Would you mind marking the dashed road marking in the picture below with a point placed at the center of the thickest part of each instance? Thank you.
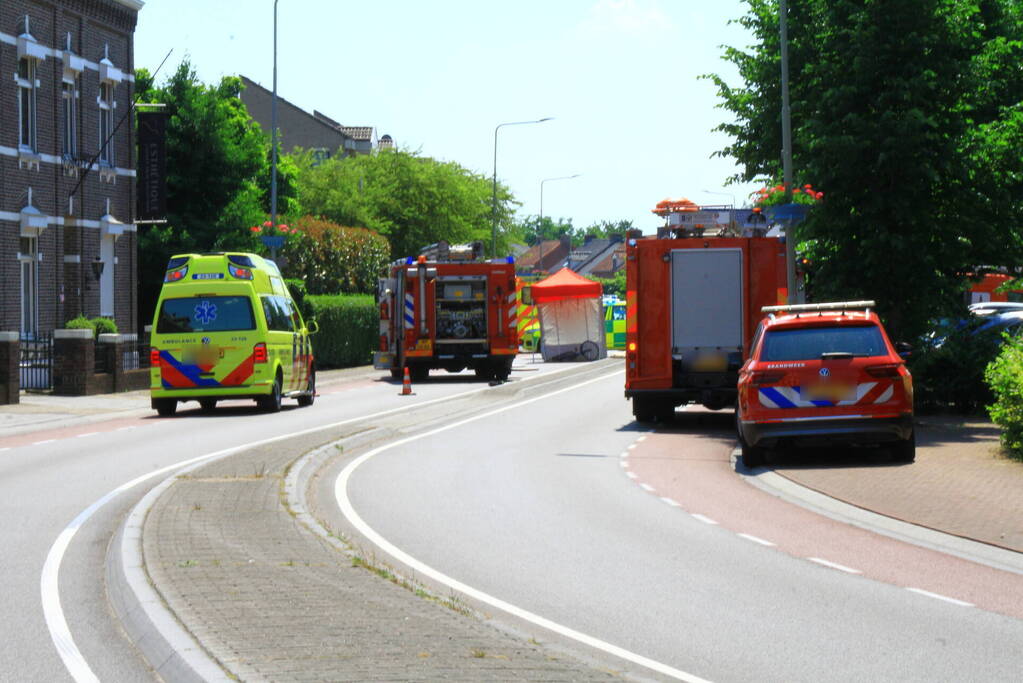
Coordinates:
(641, 439)
(703, 518)
(631, 475)
(624, 464)
(936, 596)
(755, 539)
(647, 487)
(39, 443)
(834, 565)
(82, 436)
(670, 502)
(631, 446)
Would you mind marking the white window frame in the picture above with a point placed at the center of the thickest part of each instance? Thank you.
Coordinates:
(28, 274)
(69, 117)
(107, 104)
(27, 87)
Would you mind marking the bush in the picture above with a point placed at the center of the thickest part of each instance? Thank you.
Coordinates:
(97, 325)
(332, 258)
(948, 371)
(80, 323)
(299, 294)
(104, 326)
(349, 329)
(1005, 377)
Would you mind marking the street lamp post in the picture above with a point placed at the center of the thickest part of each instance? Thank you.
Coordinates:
(493, 226)
(539, 261)
(273, 141)
(786, 150)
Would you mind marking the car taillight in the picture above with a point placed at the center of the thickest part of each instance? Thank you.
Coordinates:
(175, 275)
(239, 273)
(759, 378)
(886, 370)
(154, 356)
(259, 353)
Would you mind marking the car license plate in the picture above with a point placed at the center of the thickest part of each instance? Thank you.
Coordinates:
(832, 391)
(203, 355)
(710, 362)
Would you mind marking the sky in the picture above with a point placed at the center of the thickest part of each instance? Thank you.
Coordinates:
(618, 77)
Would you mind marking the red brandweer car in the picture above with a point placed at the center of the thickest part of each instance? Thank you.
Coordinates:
(820, 374)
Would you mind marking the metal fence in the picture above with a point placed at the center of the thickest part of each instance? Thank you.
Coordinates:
(35, 364)
(136, 351)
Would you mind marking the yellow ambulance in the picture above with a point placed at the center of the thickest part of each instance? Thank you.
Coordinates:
(226, 327)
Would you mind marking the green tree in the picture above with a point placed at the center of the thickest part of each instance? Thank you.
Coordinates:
(217, 174)
(906, 114)
(412, 200)
(532, 229)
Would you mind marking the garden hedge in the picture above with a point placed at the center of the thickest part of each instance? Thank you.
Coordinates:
(349, 329)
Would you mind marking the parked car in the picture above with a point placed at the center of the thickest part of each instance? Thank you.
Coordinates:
(823, 374)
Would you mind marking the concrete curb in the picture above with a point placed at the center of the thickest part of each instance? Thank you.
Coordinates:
(164, 642)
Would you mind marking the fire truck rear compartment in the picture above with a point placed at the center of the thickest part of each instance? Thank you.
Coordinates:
(461, 316)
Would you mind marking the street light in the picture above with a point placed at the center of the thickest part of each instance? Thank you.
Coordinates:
(539, 261)
(493, 226)
(273, 141)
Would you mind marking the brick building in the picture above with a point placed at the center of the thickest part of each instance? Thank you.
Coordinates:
(67, 84)
(316, 132)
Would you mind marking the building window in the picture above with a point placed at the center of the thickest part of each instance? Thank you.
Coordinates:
(69, 108)
(29, 286)
(27, 103)
(106, 122)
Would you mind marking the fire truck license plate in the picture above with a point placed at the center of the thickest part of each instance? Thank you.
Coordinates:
(830, 392)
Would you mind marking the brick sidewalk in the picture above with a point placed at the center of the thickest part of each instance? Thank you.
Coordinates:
(960, 483)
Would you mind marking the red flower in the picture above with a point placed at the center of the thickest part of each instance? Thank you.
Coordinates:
(256, 228)
(820, 195)
(267, 224)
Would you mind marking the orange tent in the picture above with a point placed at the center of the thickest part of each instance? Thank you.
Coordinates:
(565, 284)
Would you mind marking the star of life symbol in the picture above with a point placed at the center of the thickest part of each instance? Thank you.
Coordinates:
(206, 312)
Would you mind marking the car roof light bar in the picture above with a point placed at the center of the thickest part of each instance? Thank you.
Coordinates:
(831, 306)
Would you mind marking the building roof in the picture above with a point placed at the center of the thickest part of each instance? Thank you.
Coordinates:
(358, 132)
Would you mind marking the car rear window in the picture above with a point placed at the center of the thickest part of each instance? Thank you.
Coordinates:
(812, 342)
(205, 314)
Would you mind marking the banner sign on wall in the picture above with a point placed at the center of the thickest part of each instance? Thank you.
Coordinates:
(151, 172)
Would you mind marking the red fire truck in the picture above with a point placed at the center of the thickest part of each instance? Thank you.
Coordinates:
(692, 305)
(450, 309)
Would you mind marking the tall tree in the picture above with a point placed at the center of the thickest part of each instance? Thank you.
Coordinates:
(217, 174)
(903, 113)
(412, 200)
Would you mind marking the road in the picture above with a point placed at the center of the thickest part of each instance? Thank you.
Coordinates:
(552, 508)
(49, 478)
(552, 511)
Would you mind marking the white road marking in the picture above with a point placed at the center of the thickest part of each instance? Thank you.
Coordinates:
(670, 502)
(755, 539)
(624, 464)
(5, 448)
(631, 475)
(122, 429)
(39, 443)
(348, 510)
(703, 518)
(82, 436)
(631, 446)
(647, 487)
(49, 586)
(921, 591)
(834, 565)
(641, 439)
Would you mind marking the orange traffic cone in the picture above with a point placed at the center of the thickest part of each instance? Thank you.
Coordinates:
(406, 384)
